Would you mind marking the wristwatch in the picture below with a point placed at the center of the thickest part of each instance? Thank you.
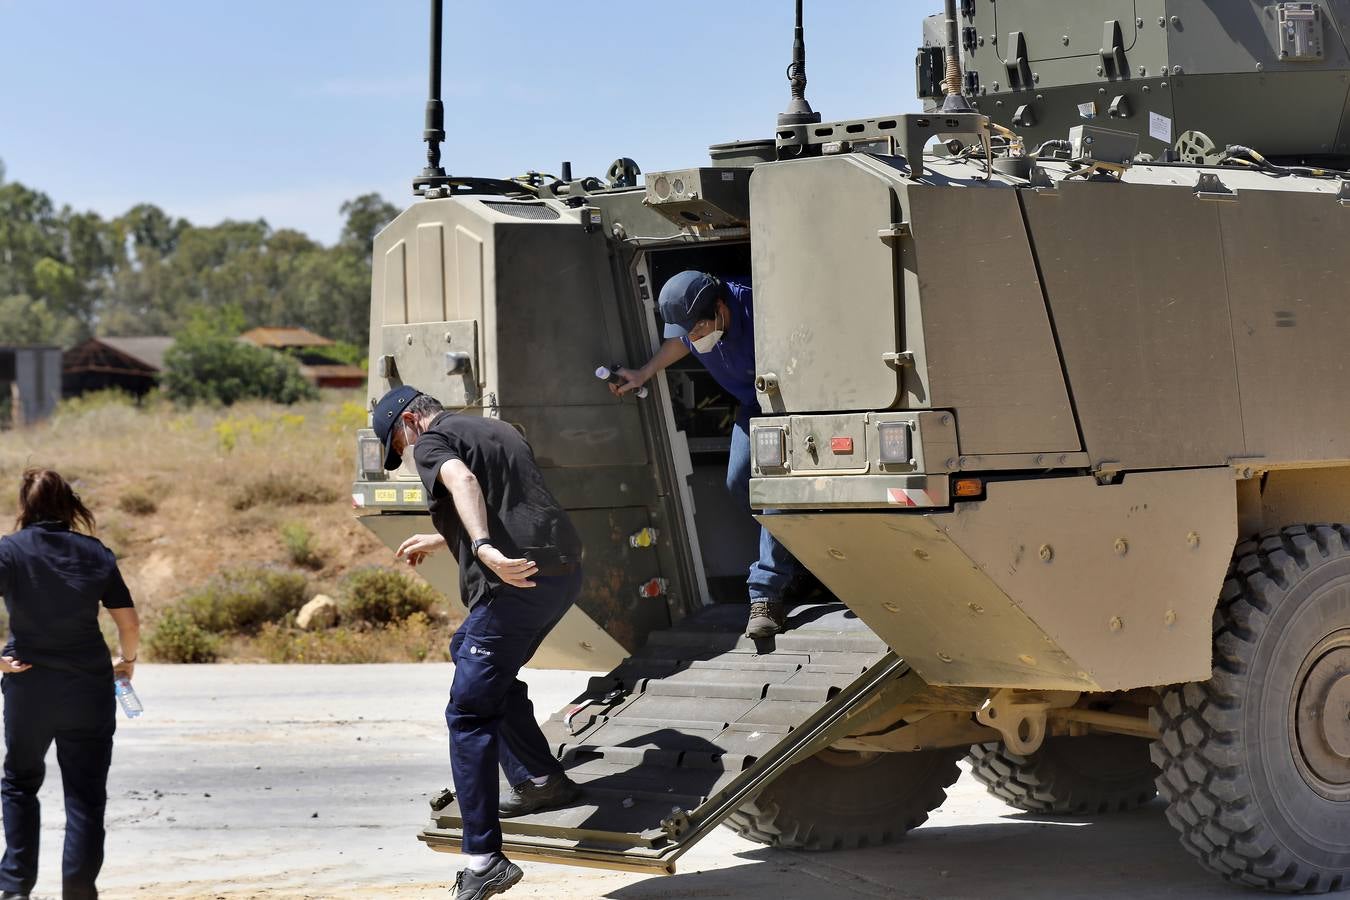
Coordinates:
(478, 545)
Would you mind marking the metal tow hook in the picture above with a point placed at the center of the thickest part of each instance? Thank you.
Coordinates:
(614, 696)
(811, 447)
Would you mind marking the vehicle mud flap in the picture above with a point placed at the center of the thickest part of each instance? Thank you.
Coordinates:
(682, 734)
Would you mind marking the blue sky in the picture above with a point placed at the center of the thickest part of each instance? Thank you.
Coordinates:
(284, 109)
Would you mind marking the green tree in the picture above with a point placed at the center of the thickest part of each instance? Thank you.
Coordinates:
(24, 320)
(212, 368)
(366, 216)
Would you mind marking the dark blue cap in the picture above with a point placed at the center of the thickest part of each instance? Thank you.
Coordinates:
(685, 299)
(385, 419)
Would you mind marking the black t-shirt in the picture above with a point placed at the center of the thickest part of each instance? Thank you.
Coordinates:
(53, 581)
(524, 519)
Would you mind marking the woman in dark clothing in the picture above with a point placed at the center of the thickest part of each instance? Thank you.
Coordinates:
(58, 679)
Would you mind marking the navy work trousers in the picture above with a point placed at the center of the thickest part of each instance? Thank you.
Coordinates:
(77, 711)
(772, 573)
(490, 716)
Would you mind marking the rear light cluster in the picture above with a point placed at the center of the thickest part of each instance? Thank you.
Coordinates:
(897, 444)
(770, 448)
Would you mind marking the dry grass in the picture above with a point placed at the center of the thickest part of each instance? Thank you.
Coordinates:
(193, 465)
(418, 638)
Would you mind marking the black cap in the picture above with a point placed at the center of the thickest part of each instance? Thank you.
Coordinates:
(686, 298)
(385, 418)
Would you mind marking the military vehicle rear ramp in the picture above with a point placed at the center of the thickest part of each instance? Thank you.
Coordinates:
(684, 735)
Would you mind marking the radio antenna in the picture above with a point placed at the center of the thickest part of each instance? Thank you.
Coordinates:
(799, 112)
(434, 134)
(954, 81)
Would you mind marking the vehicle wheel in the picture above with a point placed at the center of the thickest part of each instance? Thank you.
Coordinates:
(840, 801)
(1097, 773)
(1256, 761)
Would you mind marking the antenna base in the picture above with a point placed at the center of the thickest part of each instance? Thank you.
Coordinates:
(957, 103)
(799, 112)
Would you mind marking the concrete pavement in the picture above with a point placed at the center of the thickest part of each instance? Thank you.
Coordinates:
(311, 782)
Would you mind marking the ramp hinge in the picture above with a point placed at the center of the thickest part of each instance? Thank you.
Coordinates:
(898, 360)
(676, 824)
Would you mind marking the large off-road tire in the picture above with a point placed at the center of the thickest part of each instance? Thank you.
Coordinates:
(1256, 761)
(1096, 773)
(840, 801)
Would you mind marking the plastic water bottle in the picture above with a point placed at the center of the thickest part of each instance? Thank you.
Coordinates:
(611, 374)
(126, 695)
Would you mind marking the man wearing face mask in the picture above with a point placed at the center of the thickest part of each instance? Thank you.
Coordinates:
(519, 572)
(714, 319)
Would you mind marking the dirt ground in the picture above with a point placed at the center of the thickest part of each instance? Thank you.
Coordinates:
(251, 781)
(189, 469)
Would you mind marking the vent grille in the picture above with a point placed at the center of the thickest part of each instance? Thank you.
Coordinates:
(537, 211)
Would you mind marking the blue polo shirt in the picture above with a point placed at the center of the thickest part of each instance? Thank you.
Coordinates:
(732, 362)
(53, 581)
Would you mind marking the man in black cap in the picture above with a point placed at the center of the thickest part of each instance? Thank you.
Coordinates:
(714, 319)
(519, 572)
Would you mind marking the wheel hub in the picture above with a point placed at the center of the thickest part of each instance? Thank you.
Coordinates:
(1322, 717)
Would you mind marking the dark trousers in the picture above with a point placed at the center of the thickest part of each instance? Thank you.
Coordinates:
(772, 573)
(490, 715)
(77, 712)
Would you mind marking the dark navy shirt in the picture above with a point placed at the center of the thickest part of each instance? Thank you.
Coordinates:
(732, 361)
(53, 581)
(524, 518)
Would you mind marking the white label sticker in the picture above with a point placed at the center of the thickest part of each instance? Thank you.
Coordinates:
(1087, 110)
(728, 176)
(1160, 127)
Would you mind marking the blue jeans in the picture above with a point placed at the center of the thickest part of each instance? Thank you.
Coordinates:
(74, 710)
(490, 716)
(771, 574)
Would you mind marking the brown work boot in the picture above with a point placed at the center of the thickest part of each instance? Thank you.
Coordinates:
(766, 618)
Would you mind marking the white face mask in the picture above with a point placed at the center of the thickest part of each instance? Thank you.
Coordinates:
(708, 341)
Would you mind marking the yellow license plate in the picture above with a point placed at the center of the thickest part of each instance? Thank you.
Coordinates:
(412, 495)
(386, 495)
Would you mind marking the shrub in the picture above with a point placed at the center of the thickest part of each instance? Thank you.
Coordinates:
(281, 490)
(380, 596)
(83, 404)
(243, 599)
(415, 638)
(299, 543)
(136, 502)
(214, 368)
(177, 638)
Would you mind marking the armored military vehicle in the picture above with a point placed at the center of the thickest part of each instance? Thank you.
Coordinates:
(1054, 403)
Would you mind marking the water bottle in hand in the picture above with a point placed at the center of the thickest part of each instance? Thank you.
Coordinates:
(611, 374)
(126, 695)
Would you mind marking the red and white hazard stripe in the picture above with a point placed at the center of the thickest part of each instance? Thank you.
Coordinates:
(909, 497)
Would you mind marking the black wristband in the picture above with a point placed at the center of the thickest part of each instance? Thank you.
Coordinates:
(479, 545)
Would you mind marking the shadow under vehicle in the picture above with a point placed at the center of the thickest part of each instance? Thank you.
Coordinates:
(1053, 381)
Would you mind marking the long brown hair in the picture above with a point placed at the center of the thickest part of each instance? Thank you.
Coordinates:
(44, 496)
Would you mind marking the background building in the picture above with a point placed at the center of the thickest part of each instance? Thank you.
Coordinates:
(30, 384)
(131, 364)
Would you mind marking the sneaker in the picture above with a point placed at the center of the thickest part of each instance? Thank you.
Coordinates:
(766, 618)
(529, 797)
(499, 878)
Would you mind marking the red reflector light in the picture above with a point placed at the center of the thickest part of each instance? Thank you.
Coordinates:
(967, 487)
(841, 445)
